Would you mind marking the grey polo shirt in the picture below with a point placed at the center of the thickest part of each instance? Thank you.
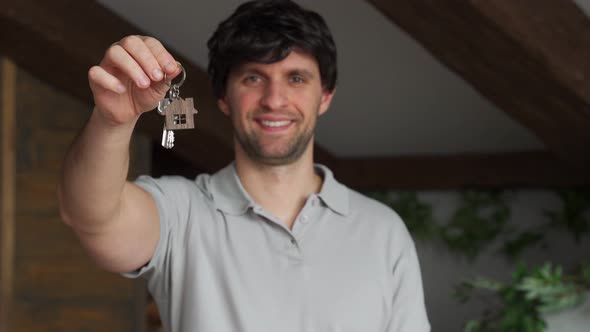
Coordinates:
(223, 263)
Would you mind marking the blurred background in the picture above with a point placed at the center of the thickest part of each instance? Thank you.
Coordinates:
(471, 119)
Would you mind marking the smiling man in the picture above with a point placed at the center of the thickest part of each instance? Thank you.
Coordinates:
(272, 242)
(284, 99)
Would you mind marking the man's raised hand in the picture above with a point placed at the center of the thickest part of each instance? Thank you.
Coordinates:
(130, 78)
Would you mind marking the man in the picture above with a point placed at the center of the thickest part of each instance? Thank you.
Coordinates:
(272, 242)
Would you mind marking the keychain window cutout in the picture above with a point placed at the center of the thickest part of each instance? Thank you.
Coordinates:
(179, 119)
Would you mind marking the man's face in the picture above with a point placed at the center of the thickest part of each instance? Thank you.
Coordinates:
(274, 107)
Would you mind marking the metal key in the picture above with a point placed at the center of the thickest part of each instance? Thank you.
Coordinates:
(167, 138)
(162, 105)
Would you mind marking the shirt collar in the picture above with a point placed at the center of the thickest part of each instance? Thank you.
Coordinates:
(227, 191)
(229, 195)
(333, 193)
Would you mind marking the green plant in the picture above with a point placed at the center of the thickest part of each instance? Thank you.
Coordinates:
(478, 221)
(574, 216)
(515, 245)
(482, 218)
(521, 303)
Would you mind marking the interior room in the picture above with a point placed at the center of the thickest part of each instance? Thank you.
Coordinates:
(470, 119)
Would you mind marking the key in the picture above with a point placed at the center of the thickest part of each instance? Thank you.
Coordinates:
(164, 136)
(170, 141)
(162, 104)
(167, 138)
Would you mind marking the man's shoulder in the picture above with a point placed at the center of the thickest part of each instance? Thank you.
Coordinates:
(369, 208)
(357, 204)
(169, 180)
(364, 204)
(173, 185)
(378, 220)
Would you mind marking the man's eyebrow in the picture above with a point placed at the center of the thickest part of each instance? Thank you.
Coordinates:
(249, 70)
(252, 69)
(301, 72)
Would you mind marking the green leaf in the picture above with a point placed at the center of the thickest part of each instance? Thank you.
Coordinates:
(520, 272)
(585, 274)
(489, 284)
(518, 244)
(473, 325)
(477, 222)
(463, 291)
(574, 214)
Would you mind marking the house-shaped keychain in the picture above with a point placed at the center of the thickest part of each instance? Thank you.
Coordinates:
(180, 114)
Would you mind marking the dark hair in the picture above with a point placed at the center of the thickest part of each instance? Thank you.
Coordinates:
(266, 31)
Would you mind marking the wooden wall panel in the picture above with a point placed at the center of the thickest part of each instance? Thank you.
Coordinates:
(7, 187)
(46, 238)
(55, 285)
(72, 316)
(68, 279)
(35, 193)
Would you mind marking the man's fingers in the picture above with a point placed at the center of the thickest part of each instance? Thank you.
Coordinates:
(137, 48)
(164, 58)
(141, 59)
(99, 77)
(118, 57)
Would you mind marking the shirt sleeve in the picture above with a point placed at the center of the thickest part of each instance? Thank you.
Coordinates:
(409, 311)
(170, 196)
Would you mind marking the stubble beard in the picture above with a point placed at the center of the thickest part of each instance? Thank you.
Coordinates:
(293, 151)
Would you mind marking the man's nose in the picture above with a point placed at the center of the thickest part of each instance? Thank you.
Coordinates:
(274, 97)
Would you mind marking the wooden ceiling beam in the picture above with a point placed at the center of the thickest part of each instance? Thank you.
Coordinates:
(528, 57)
(58, 41)
(532, 169)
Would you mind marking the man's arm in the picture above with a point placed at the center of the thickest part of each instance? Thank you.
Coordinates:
(116, 221)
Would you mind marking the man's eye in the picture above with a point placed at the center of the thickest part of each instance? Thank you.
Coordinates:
(297, 79)
(252, 79)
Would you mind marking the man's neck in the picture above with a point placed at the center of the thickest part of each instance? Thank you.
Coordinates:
(281, 190)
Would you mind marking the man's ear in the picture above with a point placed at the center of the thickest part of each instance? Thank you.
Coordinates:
(326, 100)
(223, 106)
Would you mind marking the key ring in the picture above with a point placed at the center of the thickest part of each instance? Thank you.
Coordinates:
(179, 84)
(173, 91)
(175, 88)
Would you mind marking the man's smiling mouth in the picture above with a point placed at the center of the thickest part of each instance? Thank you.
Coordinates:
(275, 124)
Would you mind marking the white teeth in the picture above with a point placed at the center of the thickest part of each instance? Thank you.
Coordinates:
(275, 123)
